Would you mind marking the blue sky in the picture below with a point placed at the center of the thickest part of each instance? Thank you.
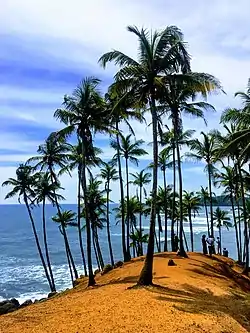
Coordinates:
(47, 47)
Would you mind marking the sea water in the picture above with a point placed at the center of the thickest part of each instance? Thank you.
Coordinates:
(21, 273)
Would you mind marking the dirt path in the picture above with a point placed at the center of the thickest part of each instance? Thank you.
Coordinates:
(197, 295)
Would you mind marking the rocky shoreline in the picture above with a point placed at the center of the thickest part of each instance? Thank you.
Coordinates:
(10, 305)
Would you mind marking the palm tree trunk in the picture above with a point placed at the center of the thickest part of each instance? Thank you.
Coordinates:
(68, 258)
(146, 276)
(140, 246)
(79, 222)
(206, 212)
(185, 240)
(98, 248)
(240, 231)
(165, 212)
(182, 250)
(46, 248)
(128, 222)
(95, 250)
(235, 226)
(191, 230)
(173, 206)
(160, 229)
(37, 242)
(220, 233)
(211, 199)
(65, 238)
(108, 229)
(126, 254)
(246, 267)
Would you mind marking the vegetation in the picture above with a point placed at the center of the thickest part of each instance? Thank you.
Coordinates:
(161, 86)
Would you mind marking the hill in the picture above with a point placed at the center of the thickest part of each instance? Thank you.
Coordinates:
(199, 294)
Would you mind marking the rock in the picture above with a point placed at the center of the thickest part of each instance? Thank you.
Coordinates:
(42, 300)
(26, 303)
(15, 302)
(171, 262)
(96, 271)
(76, 282)
(53, 293)
(107, 268)
(8, 306)
(118, 264)
(36, 301)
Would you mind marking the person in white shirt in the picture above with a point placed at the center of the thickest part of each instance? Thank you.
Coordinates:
(210, 242)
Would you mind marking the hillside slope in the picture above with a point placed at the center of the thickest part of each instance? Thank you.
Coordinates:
(197, 295)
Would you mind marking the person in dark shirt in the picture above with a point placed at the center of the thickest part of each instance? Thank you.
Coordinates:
(204, 244)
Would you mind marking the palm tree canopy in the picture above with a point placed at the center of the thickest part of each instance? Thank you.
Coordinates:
(221, 218)
(66, 218)
(128, 149)
(191, 202)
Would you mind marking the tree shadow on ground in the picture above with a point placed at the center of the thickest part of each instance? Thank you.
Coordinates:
(190, 299)
(219, 269)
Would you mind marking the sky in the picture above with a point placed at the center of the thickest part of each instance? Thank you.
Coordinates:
(47, 47)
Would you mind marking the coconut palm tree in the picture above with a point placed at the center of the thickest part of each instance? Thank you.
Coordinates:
(121, 112)
(130, 151)
(109, 174)
(221, 219)
(204, 149)
(85, 114)
(191, 204)
(22, 186)
(46, 190)
(141, 179)
(159, 53)
(138, 238)
(54, 155)
(66, 218)
(204, 199)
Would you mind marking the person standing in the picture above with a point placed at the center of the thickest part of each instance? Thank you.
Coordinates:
(210, 242)
(218, 241)
(204, 244)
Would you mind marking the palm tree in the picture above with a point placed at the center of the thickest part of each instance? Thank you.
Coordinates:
(97, 208)
(121, 111)
(54, 155)
(221, 219)
(131, 214)
(191, 204)
(204, 198)
(75, 161)
(85, 113)
(129, 151)
(141, 179)
(109, 174)
(22, 186)
(45, 189)
(159, 53)
(205, 150)
(137, 239)
(64, 219)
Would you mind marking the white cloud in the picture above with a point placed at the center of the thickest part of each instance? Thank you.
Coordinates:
(75, 33)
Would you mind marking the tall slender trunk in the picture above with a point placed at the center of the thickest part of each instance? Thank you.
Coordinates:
(98, 248)
(128, 222)
(159, 228)
(108, 229)
(95, 251)
(146, 276)
(165, 212)
(205, 206)
(126, 254)
(240, 231)
(236, 227)
(181, 230)
(185, 240)
(211, 198)
(246, 267)
(79, 221)
(91, 281)
(37, 242)
(173, 206)
(191, 230)
(65, 238)
(140, 246)
(220, 233)
(47, 249)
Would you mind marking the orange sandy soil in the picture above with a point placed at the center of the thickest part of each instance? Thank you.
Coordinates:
(197, 295)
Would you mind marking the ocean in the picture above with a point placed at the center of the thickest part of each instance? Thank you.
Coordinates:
(21, 273)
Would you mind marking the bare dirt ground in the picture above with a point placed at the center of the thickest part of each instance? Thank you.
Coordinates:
(197, 295)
